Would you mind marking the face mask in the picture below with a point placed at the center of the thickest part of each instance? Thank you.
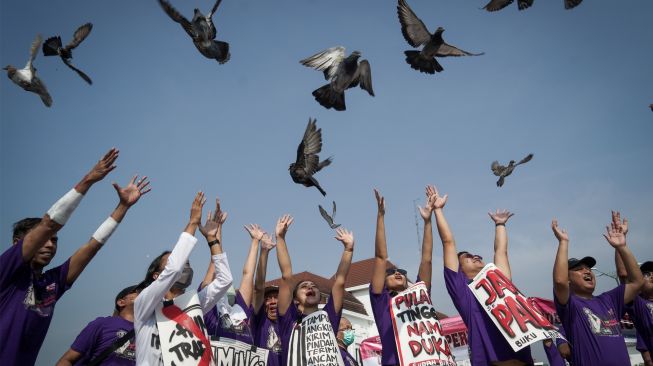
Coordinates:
(348, 337)
(186, 277)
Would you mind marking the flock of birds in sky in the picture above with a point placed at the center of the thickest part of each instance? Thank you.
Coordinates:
(341, 72)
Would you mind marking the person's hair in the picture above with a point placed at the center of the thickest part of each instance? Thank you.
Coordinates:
(22, 227)
(461, 253)
(154, 267)
(294, 291)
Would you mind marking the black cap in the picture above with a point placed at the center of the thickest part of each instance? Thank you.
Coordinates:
(575, 262)
(126, 291)
(646, 267)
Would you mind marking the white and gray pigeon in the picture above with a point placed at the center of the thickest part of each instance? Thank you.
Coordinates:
(202, 30)
(26, 77)
(495, 5)
(504, 171)
(342, 73)
(53, 46)
(416, 34)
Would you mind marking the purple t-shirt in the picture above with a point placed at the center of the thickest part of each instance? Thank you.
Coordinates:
(641, 312)
(593, 329)
(348, 358)
(266, 335)
(288, 320)
(26, 303)
(220, 325)
(99, 335)
(486, 343)
(552, 354)
(640, 345)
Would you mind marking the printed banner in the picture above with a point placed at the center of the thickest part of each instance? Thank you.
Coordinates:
(513, 314)
(230, 352)
(418, 332)
(455, 331)
(313, 342)
(184, 341)
(370, 350)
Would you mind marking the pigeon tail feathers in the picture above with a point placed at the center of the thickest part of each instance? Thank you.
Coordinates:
(51, 46)
(329, 98)
(418, 62)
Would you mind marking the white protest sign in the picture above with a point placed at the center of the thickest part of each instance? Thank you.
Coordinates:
(230, 352)
(418, 333)
(184, 341)
(313, 342)
(518, 320)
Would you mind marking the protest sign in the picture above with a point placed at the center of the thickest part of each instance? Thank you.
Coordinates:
(513, 314)
(313, 342)
(455, 331)
(182, 332)
(230, 352)
(370, 350)
(418, 333)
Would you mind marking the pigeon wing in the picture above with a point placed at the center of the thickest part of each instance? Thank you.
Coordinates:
(177, 17)
(412, 27)
(526, 159)
(497, 168)
(308, 149)
(80, 35)
(570, 4)
(333, 214)
(33, 51)
(326, 216)
(78, 71)
(214, 9)
(327, 61)
(495, 5)
(446, 50)
(363, 76)
(42, 91)
(524, 4)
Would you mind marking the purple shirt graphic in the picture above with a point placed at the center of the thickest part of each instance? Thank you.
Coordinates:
(486, 343)
(224, 327)
(641, 312)
(99, 335)
(26, 303)
(266, 335)
(593, 329)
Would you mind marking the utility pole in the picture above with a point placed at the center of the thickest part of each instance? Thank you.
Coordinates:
(415, 208)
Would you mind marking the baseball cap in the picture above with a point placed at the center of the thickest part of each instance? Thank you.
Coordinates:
(575, 262)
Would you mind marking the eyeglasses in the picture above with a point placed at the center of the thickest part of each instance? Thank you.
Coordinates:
(471, 256)
(391, 271)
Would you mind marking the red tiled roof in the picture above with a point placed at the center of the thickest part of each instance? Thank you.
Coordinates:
(360, 273)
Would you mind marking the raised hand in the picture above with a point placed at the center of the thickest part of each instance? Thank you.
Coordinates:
(255, 231)
(283, 224)
(618, 222)
(615, 236)
(103, 167)
(560, 234)
(346, 237)
(426, 211)
(380, 201)
(440, 201)
(500, 216)
(219, 216)
(196, 209)
(132, 192)
(267, 243)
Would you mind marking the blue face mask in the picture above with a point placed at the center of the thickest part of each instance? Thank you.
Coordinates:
(348, 337)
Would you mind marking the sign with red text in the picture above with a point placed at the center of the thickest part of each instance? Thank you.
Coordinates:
(513, 314)
(418, 333)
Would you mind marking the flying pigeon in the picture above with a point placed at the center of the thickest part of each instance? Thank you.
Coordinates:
(504, 171)
(53, 46)
(342, 73)
(570, 4)
(495, 5)
(327, 218)
(308, 163)
(651, 106)
(26, 77)
(416, 34)
(202, 30)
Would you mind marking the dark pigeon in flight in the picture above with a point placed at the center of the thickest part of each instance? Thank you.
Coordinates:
(416, 34)
(651, 106)
(202, 30)
(342, 73)
(308, 163)
(53, 46)
(329, 218)
(495, 5)
(26, 77)
(570, 4)
(504, 171)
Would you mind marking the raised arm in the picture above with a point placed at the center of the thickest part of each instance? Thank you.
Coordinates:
(285, 288)
(69, 358)
(449, 252)
(634, 279)
(247, 282)
(619, 263)
(561, 266)
(261, 271)
(338, 289)
(128, 196)
(426, 262)
(500, 219)
(60, 212)
(212, 232)
(380, 247)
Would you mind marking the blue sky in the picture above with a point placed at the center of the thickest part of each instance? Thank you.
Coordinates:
(572, 87)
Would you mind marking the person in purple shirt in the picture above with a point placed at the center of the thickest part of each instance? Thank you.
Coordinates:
(346, 337)
(592, 322)
(558, 352)
(102, 333)
(294, 305)
(487, 346)
(28, 294)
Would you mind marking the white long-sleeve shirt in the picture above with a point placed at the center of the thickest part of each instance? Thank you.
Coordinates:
(148, 352)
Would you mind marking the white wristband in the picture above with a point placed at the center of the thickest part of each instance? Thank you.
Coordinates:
(105, 230)
(61, 210)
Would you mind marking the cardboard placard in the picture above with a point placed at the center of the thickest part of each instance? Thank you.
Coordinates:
(418, 333)
(230, 352)
(313, 342)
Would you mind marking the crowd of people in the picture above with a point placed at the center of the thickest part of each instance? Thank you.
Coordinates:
(287, 320)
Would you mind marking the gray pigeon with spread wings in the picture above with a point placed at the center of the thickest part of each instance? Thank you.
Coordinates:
(504, 171)
(26, 77)
(342, 72)
(202, 30)
(416, 34)
(53, 46)
(495, 5)
(308, 162)
(329, 218)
